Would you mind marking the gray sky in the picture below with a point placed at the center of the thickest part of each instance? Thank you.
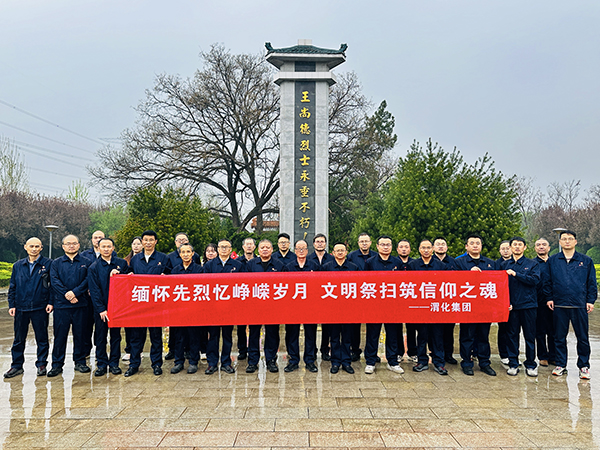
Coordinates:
(516, 79)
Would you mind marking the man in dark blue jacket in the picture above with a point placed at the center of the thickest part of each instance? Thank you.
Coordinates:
(571, 293)
(544, 336)
(404, 250)
(71, 301)
(440, 249)
(524, 275)
(284, 254)
(472, 334)
(382, 261)
(221, 264)
(429, 333)
(99, 275)
(292, 331)
(359, 258)
(150, 262)
(248, 245)
(29, 301)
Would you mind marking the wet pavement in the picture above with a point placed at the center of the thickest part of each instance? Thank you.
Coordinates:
(299, 409)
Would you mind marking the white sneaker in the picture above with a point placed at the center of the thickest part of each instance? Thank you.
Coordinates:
(559, 371)
(395, 369)
(400, 358)
(532, 372)
(584, 373)
(126, 357)
(369, 369)
(414, 359)
(513, 371)
(203, 356)
(504, 361)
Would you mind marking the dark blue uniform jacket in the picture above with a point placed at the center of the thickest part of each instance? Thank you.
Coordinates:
(157, 264)
(216, 266)
(467, 263)
(333, 266)
(523, 286)
(288, 258)
(448, 261)
(544, 277)
(571, 285)
(67, 275)
(192, 268)
(309, 266)
(99, 278)
(358, 259)
(30, 292)
(404, 265)
(377, 263)
(326, 258)
(255, 265)
(419, 264)
(174, 260)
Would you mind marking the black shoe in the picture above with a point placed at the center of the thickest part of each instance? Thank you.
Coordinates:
(157, 370)
(251, 368)
(488, 371)
(242, 355)
(228, 369)
(378, 359)
(420, 367)
(440, 369)
(450, 360)
(325, 356)
(211, 370)
(100, 371)
(348, 369)
(115, 370)
(272, 367)
(13, 372)
(41, 371)
(55, 371)
(177, 368)
(290, 367)
(83, 368)
(355, 357)
(192, 368)
(468, 371)
(334, 369)
(131, 371)
(170, 355)
(311, 367)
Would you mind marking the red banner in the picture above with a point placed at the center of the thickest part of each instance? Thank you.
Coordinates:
(308, 297)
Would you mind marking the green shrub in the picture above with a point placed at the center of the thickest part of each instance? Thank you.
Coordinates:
(5, 272)
(594, 253)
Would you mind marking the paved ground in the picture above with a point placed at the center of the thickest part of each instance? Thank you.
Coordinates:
(298, 410)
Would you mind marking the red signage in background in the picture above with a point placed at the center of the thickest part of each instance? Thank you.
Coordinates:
(315, 297)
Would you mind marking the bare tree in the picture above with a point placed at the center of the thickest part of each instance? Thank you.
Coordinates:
(13, 172)
(564, 195)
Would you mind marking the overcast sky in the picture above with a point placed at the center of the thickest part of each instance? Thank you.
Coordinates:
(515, 79)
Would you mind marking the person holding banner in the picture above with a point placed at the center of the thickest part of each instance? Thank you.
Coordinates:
(475, 334)
(264, 263)
(191, 334)
(221, 264)
(505, 255)
(248, 245)
(524, 276)
(98, 279)
(359, 258)
(383, 260)
(341, 333)
(440, 248)
(292, 331)
(432, 332)
(403, 250)
(149, 262)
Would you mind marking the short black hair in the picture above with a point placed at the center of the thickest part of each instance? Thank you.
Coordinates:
(224, 240)
(473, 236)
(185, 245)
(319, 235)
(384, 236)
(518, 239)
(181, 233)
(150, 233)
(567, 232)
(106, 239)
(340, 243)
(283, 235)
(425, 240)
(440, 238)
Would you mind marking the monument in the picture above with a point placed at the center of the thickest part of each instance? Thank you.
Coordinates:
(304, 78)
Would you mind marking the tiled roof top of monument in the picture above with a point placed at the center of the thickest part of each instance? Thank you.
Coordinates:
(306, 49)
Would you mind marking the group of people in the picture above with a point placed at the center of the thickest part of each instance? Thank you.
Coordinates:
(546, 295)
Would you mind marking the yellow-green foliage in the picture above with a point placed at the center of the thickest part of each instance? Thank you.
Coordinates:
(597, 266)
(5, 271)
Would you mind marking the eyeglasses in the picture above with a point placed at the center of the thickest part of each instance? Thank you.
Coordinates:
(70, 244)
(224, 247)
(301, 249)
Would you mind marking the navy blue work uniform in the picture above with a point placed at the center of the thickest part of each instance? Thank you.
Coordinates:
(474, 338)
(523, 299)
(502, 326)
(29, 294)
(98, 284)
(431, 333)
(217, 265)
(242, 335)
(292, 331)
(340, 333)
(377, 263)
(156, 265)
(289, 257)
(174, 260)
(571, 285)
(66, 275)
(544, 334)
(324, 347)
(448, 333)
(411, 328)
(358, 258)
(181, 335)
(271, 331)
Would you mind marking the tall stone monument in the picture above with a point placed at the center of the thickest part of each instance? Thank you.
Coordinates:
(304, 78)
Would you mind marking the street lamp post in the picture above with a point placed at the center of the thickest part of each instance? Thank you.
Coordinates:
(50, 229)
(558, 231)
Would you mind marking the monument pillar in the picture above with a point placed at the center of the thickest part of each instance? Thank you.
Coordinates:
(304, 78)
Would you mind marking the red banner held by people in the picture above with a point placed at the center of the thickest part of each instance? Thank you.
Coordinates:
(308, 297)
